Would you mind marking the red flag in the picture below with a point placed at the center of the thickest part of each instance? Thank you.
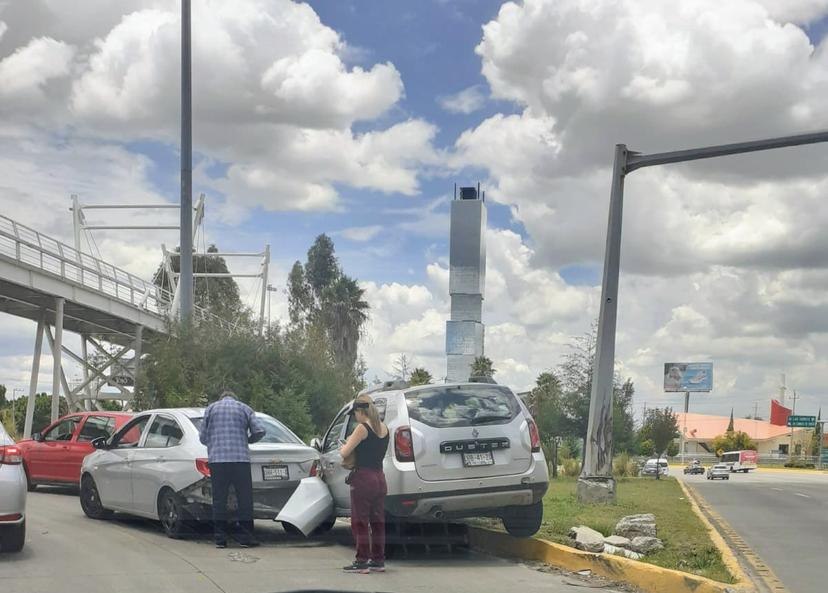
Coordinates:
(779, 414)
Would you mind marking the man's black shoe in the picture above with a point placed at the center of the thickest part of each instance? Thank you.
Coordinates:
(221, 544)
(357, 568)
(250, 544)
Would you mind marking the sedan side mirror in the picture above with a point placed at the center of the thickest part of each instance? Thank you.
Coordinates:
(38, 437)
(316, 443)
(99, 443)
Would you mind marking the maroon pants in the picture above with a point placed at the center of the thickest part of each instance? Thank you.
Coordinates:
(368, 492)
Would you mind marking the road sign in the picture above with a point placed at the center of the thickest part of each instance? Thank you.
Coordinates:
(802, 421)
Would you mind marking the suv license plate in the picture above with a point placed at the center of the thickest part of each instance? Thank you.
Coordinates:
(275, 472)
(475, 459)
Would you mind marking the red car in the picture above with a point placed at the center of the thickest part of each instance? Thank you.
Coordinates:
(54, 456)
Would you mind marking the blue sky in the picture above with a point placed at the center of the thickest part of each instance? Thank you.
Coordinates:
(432, 45)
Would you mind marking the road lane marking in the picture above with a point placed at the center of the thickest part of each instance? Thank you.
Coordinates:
(762, 575)
(802, 495)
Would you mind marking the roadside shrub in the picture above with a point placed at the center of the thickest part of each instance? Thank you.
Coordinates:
(619, 465)
(800, 464)
(571, 468)
(632, 468)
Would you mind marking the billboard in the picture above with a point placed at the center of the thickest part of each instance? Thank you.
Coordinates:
(688, 376)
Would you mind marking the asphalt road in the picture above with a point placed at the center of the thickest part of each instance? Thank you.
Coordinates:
(782, 516)
(67, 553)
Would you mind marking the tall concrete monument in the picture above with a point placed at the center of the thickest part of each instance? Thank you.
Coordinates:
(467, 278)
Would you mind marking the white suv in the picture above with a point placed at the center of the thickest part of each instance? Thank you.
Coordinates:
(456, 450)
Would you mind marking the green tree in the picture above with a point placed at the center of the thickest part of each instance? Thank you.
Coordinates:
(42, 412)
(733, 441)
(288, 374)
(344, 312)
(575, 374)
(646, 447)
(482, 368)
(322, 296)
(545, 405)
(420, 376)
(220, 296)
(661, 427)
(2, 396)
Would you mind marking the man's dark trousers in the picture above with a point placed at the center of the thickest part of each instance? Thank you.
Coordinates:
(222, 476)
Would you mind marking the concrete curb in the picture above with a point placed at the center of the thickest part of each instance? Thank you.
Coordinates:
(728, 556)
(647, 577)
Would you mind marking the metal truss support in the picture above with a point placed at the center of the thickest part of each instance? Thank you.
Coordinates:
(56, 358)
(70, 399)
(30, 404)
(87, 404)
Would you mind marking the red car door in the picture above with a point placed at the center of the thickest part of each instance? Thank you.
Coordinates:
(47, 458)
(93, 426)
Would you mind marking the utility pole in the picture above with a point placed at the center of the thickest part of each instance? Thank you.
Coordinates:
(596, 484)
(185, 280)
(794, 397)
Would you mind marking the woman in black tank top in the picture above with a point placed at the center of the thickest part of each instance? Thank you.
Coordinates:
(369, 442)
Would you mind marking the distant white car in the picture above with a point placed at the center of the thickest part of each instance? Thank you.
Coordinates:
(156, 467)
(651, 466)
(720, 470)
(12, 495)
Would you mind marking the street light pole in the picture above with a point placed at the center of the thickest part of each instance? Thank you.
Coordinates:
(596, 483)
(185, 280)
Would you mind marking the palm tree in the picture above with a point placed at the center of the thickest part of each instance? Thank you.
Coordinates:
(420, 376)
(345, 312)
(482, 368)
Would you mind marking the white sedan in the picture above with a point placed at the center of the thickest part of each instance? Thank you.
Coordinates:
(156, 467)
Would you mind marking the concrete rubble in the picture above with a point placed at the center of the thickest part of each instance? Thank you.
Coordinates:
(587, 539)
(635, 536)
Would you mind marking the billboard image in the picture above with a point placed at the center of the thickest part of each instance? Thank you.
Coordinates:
(688, 376)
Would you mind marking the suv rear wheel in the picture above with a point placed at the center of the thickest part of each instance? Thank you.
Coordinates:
(523, 521)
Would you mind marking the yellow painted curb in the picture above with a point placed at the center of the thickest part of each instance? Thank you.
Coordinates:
(728, 557)
(647, 577)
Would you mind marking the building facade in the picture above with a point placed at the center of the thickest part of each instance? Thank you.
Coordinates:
(467, 280)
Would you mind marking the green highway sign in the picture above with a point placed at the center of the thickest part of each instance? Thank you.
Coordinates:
(802, 421)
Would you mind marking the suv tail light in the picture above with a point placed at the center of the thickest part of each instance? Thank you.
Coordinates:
(403, 444)
(10, 455)
(314, 470)
(203, 467)
(534, 436)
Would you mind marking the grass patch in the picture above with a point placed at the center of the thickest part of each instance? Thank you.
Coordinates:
(687, 546)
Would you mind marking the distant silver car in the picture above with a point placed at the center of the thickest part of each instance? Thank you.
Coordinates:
(456, 450)
(156, 467)
(12, 495)
(717, 471)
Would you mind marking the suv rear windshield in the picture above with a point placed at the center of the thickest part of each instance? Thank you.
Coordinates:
(467, 405)
(275, 431)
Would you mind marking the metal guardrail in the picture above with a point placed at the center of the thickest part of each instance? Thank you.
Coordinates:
(27, 246)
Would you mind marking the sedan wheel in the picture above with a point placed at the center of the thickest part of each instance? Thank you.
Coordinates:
(172, 514)
(90, 500)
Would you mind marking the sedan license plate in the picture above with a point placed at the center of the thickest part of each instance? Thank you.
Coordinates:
(476, 459)
(275, 472)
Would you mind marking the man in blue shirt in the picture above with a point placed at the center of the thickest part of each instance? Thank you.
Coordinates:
(228, 427)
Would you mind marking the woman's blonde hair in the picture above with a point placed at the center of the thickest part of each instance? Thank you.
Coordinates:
(371, 412)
